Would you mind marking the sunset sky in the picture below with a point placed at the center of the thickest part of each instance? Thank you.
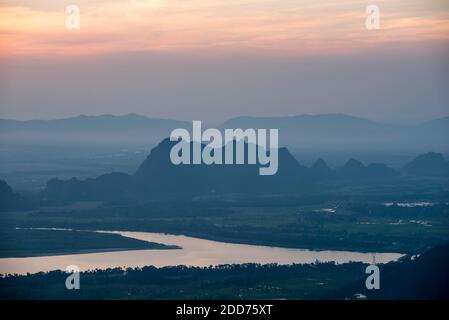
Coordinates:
(158, 42)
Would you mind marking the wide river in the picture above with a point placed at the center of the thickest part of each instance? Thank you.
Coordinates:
(194, 252)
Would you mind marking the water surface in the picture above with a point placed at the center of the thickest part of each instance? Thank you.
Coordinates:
(194, 252)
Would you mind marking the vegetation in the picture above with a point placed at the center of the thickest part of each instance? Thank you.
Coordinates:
(425, 277)
(249, 281)
(312, 223)
(405, 215)
(25, 243)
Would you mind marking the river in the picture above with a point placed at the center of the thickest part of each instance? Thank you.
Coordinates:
(194, 252)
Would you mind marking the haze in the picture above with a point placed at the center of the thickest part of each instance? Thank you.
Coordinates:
(212, 60)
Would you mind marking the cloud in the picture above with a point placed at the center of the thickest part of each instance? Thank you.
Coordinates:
(216, 26)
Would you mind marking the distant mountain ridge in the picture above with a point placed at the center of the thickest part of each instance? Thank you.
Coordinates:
(304, 132)
(343, 132)
(304, 119)
(85, 121)
(130, 128)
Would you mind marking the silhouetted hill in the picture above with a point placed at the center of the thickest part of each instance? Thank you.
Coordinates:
(12, 201)
(158, 169)
(420, 277)
(429, 164)
(106, 187)
(356, 170)
(380, 171)
(158, 176)
(320, 170)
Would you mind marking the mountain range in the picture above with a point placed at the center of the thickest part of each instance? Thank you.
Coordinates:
(87, 130)
(344, 132)
(157, 176)
(306, 132)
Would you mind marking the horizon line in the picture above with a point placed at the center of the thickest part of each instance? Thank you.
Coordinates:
(218, 120)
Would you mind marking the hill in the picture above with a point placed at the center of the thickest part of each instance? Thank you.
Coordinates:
(429, 164)
(158, 176)
(425, 276)
(103, 129)
(12, 201)
(335, 132)
(330, 132)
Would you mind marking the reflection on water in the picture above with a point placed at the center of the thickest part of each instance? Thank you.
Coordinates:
(194, 252)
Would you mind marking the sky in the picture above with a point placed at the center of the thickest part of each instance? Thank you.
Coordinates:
(216, 59)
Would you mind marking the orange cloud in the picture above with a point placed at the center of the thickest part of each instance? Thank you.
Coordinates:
(294, 27)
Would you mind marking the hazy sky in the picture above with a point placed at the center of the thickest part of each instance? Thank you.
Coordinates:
(215, 59)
